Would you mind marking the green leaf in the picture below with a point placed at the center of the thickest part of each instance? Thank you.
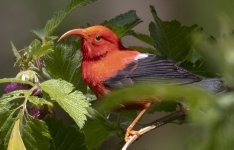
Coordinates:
(123, 23)
(94, 128)
(15, 52)
(5, 80)
(16, 141)
(172, 39)
(142, 37)
(73, 102)
(9, 104)
(64, 63)
(40, 50)
(165, 106)
(77, 3)
(218, 54)
(7, 123)
(6, 126)
(34, 46)
(39, 33)
(100, 126)
(199, 68)
(65, 137)
(39, 101)
(35, 134)
(53, 23)
(163, 91)
(215, 127)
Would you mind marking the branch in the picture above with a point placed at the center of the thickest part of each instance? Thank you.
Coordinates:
(154, 125)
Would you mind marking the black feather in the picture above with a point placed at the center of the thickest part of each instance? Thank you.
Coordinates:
(151, 69)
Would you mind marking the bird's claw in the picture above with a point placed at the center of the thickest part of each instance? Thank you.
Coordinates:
(130, 133)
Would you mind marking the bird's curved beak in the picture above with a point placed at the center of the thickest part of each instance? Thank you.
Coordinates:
(74, 32)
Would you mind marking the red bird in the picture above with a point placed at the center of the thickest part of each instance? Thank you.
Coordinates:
(107, 65)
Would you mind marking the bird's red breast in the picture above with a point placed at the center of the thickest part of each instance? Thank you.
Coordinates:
(96, 71)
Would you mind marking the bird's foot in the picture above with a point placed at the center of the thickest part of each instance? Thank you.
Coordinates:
(130, 133)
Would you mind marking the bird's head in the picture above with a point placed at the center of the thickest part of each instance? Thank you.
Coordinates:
(97, 41)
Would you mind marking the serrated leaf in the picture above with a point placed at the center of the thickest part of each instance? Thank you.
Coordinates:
(142, 37)
(38, 101)
(38, 49)
(16, 141)
(64, 63)
(6, 99)
(35, 134)
(65, 137)
(73, 102)
(123, 23)
(6, 125)
(77, 3)
(15, 52)
(6, 80)
(34, 46)
(42, 50)
(53, 23)
(40, 34)
(172, 39)
(9, 104)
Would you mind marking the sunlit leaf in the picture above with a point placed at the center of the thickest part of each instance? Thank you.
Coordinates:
(5, 80)
(73, 102)
(42, 50)
(39, 101)
(11, 105)
(16, 141)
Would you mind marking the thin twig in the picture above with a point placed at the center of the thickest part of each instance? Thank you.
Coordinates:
(154, 125)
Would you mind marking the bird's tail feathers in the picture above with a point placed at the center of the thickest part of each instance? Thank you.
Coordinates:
(215, 85)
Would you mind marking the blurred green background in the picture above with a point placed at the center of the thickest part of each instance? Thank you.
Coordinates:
(19, 17)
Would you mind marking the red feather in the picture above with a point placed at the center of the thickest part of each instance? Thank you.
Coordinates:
(94, 72)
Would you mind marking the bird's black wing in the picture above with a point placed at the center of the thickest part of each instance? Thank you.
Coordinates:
(150, 69)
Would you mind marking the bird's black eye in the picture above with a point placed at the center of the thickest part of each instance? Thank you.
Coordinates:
(98, 38)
